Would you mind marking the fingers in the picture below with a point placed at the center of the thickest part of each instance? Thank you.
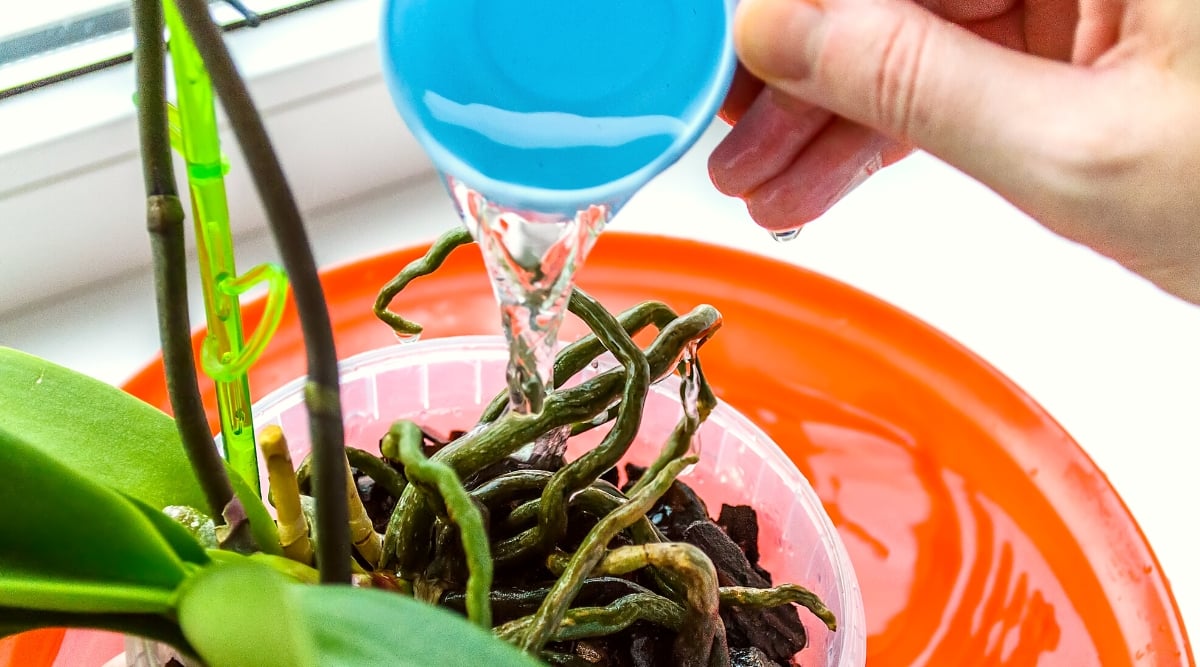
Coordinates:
(893, 66)
(742, 93)
(840, 157)
(765, 142)
(1098, 31)
(968, 11)
(1095, 153)
(1049, 27)
(791, 161)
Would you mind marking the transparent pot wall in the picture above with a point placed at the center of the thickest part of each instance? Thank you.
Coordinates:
(444, 384)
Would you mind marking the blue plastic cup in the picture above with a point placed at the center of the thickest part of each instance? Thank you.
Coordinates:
(555, 105)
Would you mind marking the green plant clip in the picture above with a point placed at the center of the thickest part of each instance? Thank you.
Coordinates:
(224, 365)
(225, 356)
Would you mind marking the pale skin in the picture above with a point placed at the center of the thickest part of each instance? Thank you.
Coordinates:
(1085, 114)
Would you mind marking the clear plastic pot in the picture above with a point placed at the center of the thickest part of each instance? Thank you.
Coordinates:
(445, 383)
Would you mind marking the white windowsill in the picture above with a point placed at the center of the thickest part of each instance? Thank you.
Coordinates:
(73, 157)
(1113, 359)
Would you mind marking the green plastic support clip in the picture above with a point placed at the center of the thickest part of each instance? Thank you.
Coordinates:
(225, 355)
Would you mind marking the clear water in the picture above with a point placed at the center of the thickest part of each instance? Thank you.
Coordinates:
(402, 337)
(689, 389)
(544, 118)
(531, 260)
(785, 236)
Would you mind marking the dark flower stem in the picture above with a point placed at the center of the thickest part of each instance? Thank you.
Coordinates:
(321, 391)
(164, 220)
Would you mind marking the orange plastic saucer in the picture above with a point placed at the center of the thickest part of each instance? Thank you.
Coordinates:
(980, 532)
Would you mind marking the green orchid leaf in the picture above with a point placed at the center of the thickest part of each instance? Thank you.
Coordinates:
(70, 544)
(185, 546)
(247, 614)
(57, 592)
(110, 436)
(97, 429)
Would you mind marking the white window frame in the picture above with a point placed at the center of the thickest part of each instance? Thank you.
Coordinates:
(71, 193)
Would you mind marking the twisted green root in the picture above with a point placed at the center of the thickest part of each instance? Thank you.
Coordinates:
(403, 442)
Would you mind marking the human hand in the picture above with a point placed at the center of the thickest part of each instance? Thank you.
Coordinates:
(1083, 113)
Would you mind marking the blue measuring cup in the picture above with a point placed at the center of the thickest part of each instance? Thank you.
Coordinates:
(555, 105)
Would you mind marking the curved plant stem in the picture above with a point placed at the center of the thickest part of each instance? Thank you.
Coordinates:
(740, 596)
(437, 253)
(486, 446)
(596, 500)
(701, 640)
(514, 603)
(403, 442)
(508, 486)
(164, 220)
(680, 440)
(571, 360)
(585, 622)
(321, 391)
(377, 469)
(545, 622)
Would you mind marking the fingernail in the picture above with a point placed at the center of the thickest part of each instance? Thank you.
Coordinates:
(728, 161)
(774, 37)
(764, 143)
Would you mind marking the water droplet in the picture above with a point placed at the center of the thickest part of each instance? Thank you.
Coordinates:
(604, 417)
(787, 235)
(402, 337)
(687, 471)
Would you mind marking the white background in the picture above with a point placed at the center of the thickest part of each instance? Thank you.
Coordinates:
(1108, 355)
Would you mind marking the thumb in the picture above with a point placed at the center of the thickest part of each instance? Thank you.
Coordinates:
(894, 66)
